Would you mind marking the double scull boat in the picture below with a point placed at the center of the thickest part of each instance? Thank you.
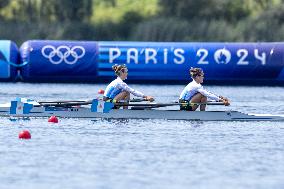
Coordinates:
(100, 109)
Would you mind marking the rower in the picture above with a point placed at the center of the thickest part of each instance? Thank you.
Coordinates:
(118, 90)
(195, 93)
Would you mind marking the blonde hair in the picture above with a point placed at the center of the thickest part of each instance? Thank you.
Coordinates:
(194, 72)
(118, 68)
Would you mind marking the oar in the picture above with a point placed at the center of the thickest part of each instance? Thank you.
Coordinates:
(63, 103)
(138, 100)
(168, 104)
(75, 101)
(105, 107)
(60, 101)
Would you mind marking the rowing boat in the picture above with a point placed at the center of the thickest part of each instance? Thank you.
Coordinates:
(85, 111)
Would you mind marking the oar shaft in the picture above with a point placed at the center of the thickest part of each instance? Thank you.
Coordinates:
(83, 102)
(61, 101)
(71, 103)
(168, 104)
(78, 103)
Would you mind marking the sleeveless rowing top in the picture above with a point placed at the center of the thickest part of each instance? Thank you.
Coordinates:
(117, 86)
(192, 88)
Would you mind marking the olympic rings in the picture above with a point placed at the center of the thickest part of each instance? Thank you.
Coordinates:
(63, 53)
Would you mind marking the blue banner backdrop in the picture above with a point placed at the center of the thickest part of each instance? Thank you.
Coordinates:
(171, 61)
(79, 61)
(59, 61)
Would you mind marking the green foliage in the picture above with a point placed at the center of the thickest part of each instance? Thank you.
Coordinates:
(3, 3)
(268, 26)
(174, 29)
(107, 31)
(205, 9)
(76, 11)
(213, 31)
(161, 29)
(115, 10)
(143, 20)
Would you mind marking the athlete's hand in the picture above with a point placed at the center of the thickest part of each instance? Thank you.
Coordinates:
(149, 98)
(225, 101)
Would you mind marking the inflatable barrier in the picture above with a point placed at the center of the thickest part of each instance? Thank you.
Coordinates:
(9, 59)
(59, 61)
(76, 61)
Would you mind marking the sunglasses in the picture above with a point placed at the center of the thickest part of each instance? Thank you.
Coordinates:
(125, 70)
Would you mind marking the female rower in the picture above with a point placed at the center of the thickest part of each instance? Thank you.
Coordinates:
(195, 93)
(118, 90)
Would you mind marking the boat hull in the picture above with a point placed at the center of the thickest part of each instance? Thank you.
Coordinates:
(85, 112)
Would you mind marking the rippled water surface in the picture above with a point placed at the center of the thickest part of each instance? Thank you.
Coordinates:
(81, 153)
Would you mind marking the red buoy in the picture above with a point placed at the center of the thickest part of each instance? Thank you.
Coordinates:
(25, 134)
(53, 119)
(101, 91)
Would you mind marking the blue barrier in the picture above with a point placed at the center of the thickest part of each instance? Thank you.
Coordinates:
(171, 61)
(59, 61)
(9, 58)
(75, 61)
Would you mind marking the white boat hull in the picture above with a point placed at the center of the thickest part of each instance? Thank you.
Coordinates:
(85, 112)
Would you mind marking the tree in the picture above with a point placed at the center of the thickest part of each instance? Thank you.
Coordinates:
(205, 9)
(72, 10)
(4, 3)
(161, 29)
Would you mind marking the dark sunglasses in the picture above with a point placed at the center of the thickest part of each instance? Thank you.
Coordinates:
(125, 70)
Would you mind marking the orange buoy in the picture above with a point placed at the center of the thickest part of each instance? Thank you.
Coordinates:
(25, 134)
(53, 119)
(101, 91)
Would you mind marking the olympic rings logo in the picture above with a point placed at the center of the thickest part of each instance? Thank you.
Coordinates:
(63, 53)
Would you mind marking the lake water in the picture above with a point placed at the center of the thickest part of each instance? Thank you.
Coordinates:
(81, 153)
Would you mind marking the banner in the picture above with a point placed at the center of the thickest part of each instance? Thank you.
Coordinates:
(79, 61)
(172, 61)
(59, 61)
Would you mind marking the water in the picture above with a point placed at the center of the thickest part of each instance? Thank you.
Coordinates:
(80, 153)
